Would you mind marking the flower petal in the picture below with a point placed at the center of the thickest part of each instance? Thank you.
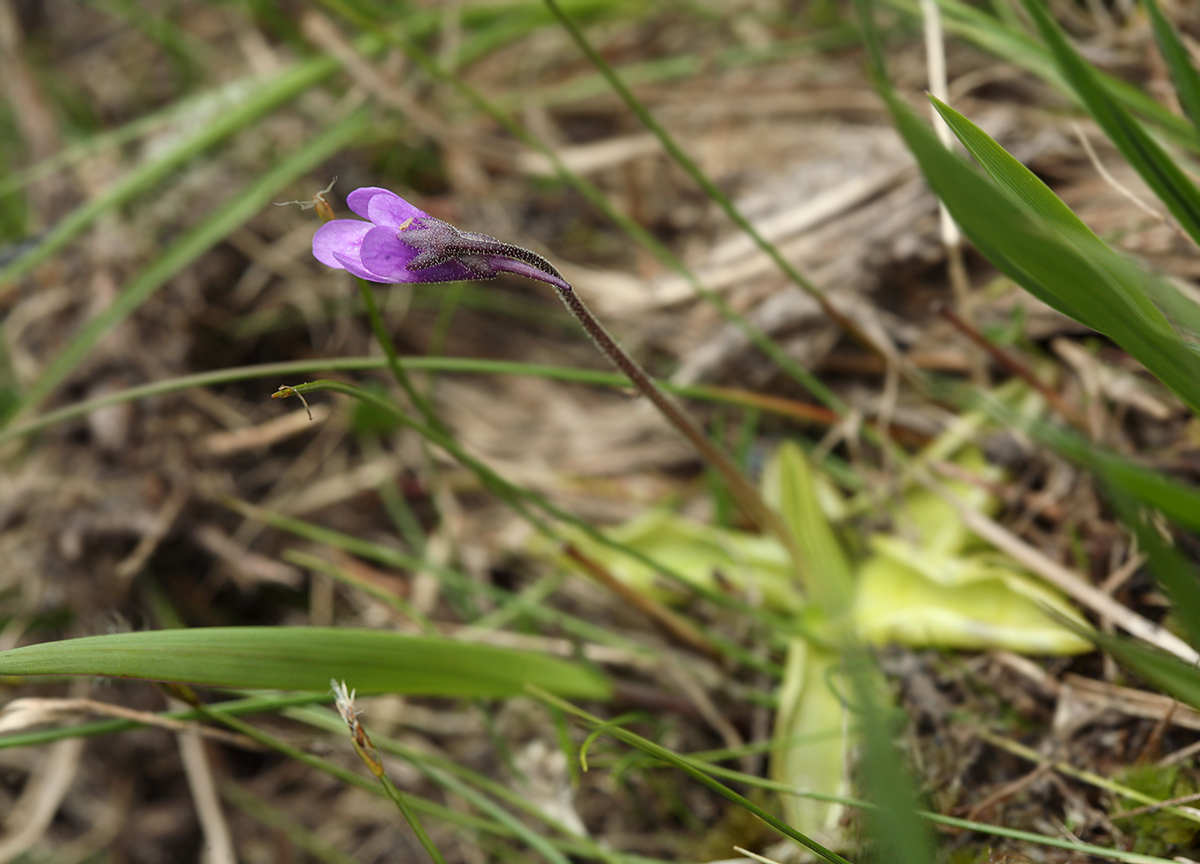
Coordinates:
(360, 199)
(342, 236)
(355, 267)
(392, 211)
(384, 254)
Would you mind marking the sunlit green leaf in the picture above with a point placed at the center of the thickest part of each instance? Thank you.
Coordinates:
(813, 742)
(704, 555)
(908, 598)
(1008, 39)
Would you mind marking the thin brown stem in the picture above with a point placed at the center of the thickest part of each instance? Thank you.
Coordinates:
(743, 491)
(677, 627)
(1011, 364)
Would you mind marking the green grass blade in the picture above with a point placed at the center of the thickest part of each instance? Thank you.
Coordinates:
(534, 841)
(715, 194)
(524, 501)
(466, 821)
(284, 824)
(249, 705)
(1179, 503)
(1038, 200)
(392, 557)
(694, 771)
(1160, 172)
(468, 365)
(1187, 82)
(827, 578)
(1147, 487)
(306, 658)
(1175, 573)
(1170, 674)
(1007, 40)
(984, 828)
(902, 836)
(228, 217)
(1008, 172)
(264, 98)
(1089, 282)
(424, 760)
(630, 226)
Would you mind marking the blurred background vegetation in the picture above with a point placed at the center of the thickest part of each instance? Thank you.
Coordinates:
(969, 471)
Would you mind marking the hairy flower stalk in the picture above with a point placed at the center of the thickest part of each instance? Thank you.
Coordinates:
(402, 244)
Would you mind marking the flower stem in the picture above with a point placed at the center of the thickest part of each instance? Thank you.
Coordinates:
(742, 490)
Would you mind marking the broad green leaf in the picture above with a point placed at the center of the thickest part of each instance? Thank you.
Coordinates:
(811, 725)
(1187, 82)
(931, 581)
(1163, 304)
(1169, 182)
(307, 658)
(812, 714)
(934, 521)
(907, 597)
(705, 556)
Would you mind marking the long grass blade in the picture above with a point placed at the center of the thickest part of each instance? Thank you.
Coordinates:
(1179, 61)
(191, 246)
(263, 98)
(1170, 674)
(1089, 282)
(306, 658)
(685, 765)
(1008, 40)
(1037, 199)
(1148, 158)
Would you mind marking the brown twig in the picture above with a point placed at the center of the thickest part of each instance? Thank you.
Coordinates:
(1014, 366)
(679, 629)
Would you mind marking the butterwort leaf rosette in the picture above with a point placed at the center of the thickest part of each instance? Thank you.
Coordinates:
(402, 244)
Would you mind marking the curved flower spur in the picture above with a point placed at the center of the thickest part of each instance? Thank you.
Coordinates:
(403, 244)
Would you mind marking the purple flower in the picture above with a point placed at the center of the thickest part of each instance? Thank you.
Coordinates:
(403, 244)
